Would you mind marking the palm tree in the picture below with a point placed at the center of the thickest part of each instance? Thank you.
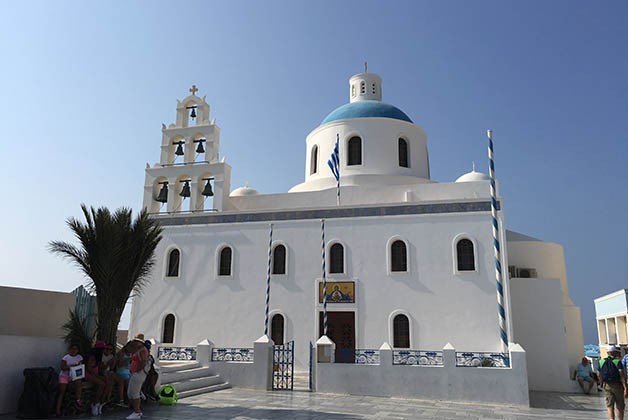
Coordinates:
(116, 253)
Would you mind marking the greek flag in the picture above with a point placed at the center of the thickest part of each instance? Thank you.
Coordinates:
(333, 162)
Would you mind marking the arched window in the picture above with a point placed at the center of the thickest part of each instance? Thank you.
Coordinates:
(403, 153)
(401, 332)
(336, 258)
(279, 259)
(314, 160)
(224, 265)
(168, 332)
(354, 156)
(465, 255)
(362, 88)
(276, 329)
(173, 263)
(398, 256)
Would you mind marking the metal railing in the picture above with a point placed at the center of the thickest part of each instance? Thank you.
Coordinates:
(482, 359)
(417, 358)
(234, 354)
(177, 353)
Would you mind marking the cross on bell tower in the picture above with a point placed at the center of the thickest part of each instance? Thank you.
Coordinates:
(193, 89)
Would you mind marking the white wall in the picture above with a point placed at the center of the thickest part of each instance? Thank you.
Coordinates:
(538, 326)
(505, 386)
(443, 306)
(18, 353)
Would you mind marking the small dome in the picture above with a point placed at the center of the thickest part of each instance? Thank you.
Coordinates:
(473, 176)
(366, 109)
(243, 191)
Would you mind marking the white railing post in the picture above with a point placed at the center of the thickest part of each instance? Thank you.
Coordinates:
(325, 350)
(385, 356)
(204, 352)
(263, 363)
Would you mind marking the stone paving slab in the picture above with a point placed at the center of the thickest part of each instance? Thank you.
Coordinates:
(241, 404)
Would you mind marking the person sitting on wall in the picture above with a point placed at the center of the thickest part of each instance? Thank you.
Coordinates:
(93, 376)
(107, 369)
(613, 378)
(585, 374)
(69, 360)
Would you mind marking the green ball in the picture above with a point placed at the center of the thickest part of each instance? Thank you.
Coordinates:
(167, 395)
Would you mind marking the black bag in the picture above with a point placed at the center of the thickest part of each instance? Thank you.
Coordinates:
(609, 371)
(38, 398)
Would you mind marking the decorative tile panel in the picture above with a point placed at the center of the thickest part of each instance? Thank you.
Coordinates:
(177, 353)
(235, 354)
(417, 358)
(482, 359)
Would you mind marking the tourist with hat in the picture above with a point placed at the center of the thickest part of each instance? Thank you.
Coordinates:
(613, 377)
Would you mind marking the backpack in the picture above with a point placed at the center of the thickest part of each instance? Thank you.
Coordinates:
(167, 395)
(609, 371)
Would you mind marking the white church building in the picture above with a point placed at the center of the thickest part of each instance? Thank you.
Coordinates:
(409, 261)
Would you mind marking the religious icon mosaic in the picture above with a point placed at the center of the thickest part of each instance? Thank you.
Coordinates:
(338, 292)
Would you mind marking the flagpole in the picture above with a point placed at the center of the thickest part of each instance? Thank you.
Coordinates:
(324, 279)
(338, 180)
(496, 247)
(270, 244)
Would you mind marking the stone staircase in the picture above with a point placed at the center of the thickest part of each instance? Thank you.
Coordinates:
(190, 378)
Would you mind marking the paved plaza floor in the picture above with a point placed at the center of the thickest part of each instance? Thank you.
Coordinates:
(241, 404)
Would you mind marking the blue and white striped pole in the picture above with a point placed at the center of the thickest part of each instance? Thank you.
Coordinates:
(270, 251)
(496, 247)
(324, 279)
(338, 179)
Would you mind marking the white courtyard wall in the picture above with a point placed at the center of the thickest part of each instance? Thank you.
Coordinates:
(539, 327)
(442, 305)
(20, 352)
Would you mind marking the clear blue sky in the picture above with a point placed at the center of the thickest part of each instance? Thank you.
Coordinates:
(84, 88)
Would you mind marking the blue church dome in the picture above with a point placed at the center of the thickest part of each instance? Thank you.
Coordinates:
(366, 109)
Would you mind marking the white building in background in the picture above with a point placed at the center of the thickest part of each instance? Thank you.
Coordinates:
(409, 260)
(611, 312)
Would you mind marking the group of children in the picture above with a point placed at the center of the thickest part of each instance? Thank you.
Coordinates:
(131, 369)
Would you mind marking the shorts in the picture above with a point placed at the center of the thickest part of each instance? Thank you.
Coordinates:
(585, 378)
(614, 395)
(135, 385)
(64, 379)
(124, 374)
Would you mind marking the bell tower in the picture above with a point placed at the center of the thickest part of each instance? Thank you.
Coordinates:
(189, 177)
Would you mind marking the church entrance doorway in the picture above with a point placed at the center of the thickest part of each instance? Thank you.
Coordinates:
(340, 330)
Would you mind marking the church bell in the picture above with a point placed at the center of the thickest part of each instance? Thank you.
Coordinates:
(185, 191)
(200, 148)
(207, 191)
(163, 193)
(193, 113)
(179, 151)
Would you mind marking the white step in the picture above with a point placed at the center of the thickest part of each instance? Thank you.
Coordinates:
(196, 383)
(182, 375)
(203, 390)
(174, 366)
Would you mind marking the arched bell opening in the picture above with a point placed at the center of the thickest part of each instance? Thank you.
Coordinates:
(177, 150)
(205, 192)
(191, 108)
(199, 142)
(160, 195)
(183, 194)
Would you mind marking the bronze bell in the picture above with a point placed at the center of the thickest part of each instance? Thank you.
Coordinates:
(185, 191)
(200, 148)
(163, 193)
(193, 113)
(207, 191)
(179, 151)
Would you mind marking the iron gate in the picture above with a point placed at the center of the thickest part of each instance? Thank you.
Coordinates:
(283, 367)
(311, 367)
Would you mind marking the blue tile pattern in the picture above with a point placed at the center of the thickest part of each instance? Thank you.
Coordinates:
(482, 359)
(234, 354)
(177, 353)
(330, 213)
(417, 358)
